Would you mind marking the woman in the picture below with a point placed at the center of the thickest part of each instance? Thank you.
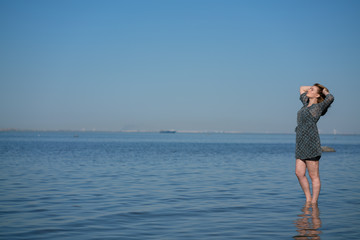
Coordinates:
(316, 100)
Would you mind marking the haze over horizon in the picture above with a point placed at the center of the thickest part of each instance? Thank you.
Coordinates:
(184, 65)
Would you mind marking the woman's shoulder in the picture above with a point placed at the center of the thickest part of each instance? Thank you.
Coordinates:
(303, 98)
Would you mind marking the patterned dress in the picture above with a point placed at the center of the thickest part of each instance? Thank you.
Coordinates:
(307, 136)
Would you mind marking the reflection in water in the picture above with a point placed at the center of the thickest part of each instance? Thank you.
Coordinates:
(308, 223)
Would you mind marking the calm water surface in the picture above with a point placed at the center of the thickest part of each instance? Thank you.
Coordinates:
(172, 186)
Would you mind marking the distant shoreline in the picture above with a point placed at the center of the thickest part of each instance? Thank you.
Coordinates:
(158, 131)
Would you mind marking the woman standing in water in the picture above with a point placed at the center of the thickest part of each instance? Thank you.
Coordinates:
(316, 100)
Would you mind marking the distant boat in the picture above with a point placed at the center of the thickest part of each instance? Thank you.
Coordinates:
(167, 131)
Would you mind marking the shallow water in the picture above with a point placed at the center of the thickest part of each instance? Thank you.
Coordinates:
(172, 186)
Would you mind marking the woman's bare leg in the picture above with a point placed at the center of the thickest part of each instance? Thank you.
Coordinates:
(313, 169)
(300, 171)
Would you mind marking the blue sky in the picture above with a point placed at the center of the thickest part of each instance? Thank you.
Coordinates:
(186, 65)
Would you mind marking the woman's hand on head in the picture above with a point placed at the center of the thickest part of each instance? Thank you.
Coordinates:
(325, 91)
(304, 89)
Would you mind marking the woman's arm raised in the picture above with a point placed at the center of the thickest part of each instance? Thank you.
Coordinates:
(326, 91)
(304, 89)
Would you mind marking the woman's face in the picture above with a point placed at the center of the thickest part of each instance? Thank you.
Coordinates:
(313, 92)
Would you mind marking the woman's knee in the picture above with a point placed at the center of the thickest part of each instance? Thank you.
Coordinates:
(300, 173)
(315, 177)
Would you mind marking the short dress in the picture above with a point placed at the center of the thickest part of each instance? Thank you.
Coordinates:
(308, 145)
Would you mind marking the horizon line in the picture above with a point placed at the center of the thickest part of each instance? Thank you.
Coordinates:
(158, 131)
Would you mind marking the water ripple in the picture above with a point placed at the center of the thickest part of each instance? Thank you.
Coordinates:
(152, 186)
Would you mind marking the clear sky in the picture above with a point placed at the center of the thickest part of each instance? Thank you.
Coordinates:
(176, 64)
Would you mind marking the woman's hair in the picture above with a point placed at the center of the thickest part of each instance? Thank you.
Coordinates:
(322, 95)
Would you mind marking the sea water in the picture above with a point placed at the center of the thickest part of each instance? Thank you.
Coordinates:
(64, 185)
